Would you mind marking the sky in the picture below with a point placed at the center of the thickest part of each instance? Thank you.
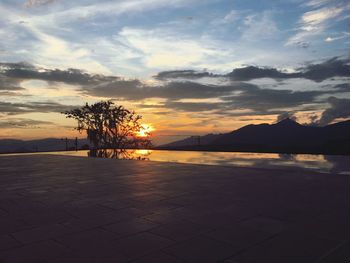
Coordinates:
(189, 67)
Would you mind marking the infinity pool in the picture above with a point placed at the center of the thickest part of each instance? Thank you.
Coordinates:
(319, 163)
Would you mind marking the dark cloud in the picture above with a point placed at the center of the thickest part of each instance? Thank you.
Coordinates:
(334, 67)
(12, 73)
(232, 113)
(186, 74)
(237, 95)
(251, 97)
(345, 87)
(109, 86)
(239, 74)
(9, 84)
(127, 89)
(18, 108)
(191, 90)
(22, 71)
(194, 106)
(134, 90)
(266, 99)
(22, 123)
(339, 108)
(252, 72)
(286, 115)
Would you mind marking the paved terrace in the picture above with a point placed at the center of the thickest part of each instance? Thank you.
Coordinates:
(72, 209)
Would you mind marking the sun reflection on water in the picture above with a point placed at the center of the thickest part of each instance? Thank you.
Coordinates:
(319, 163)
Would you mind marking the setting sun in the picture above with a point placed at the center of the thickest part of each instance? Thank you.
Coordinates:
(145, 130)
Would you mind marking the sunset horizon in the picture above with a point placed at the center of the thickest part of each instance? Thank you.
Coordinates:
(175, 131)
(188, 67)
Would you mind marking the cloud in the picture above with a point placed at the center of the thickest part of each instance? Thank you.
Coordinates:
(126, 89)
(10, 108)
(43, 40)
(316, 17)
(253, 72)
(313, 120)
(263, 100)
(317, 3)
(113, 86)
(237, 95)
(252, 98)
(334, 67)
(12, 94)
(32, 3)
(303, 37)
(344, 87)
(134, 90)
(343, 35)
(15, 72)
(22, 123)
(339, 108)
(9, 84)
(186, 74)
(161, 48)
(226, 112)
(232, 95)
(285, 115)
(229, 18)
(315, 22)
(259, 26)
(329, 39)
(80, 50)
(115, 8)
(232, 16)
(244, 97)
(302, 44)
(53, 50)
(194, 106)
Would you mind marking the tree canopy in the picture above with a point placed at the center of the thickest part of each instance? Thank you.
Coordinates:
(108, 125)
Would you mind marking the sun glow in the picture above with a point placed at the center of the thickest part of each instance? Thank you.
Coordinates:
(143, 152)
(145, 130)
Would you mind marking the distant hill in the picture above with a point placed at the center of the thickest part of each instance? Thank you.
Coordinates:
(43, 145)
(286, 136)
(194, 140)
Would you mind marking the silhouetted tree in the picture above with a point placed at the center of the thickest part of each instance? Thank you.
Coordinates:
(109, 126)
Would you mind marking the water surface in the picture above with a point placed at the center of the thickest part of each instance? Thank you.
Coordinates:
(319, 163)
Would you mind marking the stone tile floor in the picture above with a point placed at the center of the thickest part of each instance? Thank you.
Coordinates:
(71, 209)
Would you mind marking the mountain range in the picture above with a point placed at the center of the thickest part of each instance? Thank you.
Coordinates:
(43, 145)
(286, 136)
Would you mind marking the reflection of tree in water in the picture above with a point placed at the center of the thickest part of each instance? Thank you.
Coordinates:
(122, 154)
